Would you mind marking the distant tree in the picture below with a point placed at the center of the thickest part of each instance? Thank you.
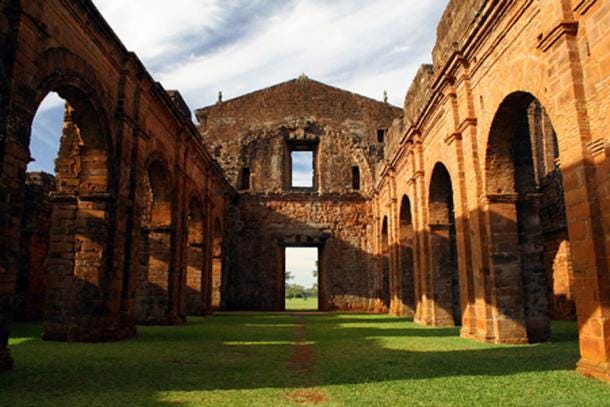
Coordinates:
(289, 275)
(295, 291)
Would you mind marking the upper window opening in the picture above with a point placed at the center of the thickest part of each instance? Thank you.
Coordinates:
(381, 135)
(244, 182)
(302, 169)
(217, 151)
(355, 178)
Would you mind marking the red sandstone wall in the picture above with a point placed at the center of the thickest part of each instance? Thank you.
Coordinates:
(486, 51)
(257, 131)
(252, 131)
(119, 121)
(28, 303)
(265, 225)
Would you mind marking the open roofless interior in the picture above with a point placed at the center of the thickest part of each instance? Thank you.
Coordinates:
(302, 243)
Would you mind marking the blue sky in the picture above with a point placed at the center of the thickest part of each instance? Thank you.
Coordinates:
(201, 47)
(302, 168)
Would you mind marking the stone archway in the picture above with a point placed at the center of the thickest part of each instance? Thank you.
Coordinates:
(443, 249)
(156, 276)
(526, 214)
(81, 213)
(383, 271)
(407, 242)
(195, 258)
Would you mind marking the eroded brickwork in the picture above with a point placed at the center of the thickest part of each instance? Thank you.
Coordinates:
(335, 224)
(484, 203)
(512, 108)
(28, 303)
(112, 231)
(258, 132)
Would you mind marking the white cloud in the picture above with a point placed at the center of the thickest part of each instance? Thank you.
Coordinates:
(153, 28)
(367, 47)
(302, 168)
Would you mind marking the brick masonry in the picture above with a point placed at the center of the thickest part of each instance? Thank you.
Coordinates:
(486, 203)
(258, 131)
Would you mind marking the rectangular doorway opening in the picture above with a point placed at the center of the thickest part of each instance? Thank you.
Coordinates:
(301, 278)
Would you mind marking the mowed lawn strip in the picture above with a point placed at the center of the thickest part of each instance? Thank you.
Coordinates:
(244, 359)
(302, 304)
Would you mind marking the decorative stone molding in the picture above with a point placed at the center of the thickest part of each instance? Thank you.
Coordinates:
(597, 147)
(583, 6)
(555, 34)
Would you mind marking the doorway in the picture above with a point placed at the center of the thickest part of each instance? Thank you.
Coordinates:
(301, 278)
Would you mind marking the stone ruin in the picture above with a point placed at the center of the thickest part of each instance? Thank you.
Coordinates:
(482, 202)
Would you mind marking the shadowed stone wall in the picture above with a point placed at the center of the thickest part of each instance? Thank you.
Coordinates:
(258, 131)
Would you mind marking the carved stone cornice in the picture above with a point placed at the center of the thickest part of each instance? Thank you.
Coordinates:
(556, 33)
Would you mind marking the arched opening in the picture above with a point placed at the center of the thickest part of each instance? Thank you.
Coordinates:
(443, 247)
(407, 242)
(525, 187)
(217, 265)
(383, 277)
(195, 258)
(45, 136)
(64, 255)
(154, 293)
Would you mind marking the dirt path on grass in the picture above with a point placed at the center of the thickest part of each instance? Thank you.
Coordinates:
(303, 383)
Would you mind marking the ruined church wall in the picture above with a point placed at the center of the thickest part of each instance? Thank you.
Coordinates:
(254, 131)
(130, 120)
(258, 131)
(338, 225)
(555, 52)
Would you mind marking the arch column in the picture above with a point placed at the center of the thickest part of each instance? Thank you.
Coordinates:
(425, 301)
(395, 274)
(14, 160)
(508, 319)
(74, 303)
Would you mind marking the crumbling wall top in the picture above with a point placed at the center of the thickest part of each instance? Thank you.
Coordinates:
(418, 94)
(178, 100)
(453, 27)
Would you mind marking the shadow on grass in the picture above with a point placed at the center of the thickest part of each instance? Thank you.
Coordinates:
(238, 352)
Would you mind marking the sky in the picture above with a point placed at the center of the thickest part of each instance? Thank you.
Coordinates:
(201, 47)
(302, 168)
(301, 262)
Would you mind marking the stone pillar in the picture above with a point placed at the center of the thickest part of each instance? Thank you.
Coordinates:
(396, 304)
(74, 305)
(441, 268)
(28, 303)
(6, 285)
(194, 268)
(580, 165)
(420, 205)
(505, 268)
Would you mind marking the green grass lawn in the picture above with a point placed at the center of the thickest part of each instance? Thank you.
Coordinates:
(302, 304)
(249, 359)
